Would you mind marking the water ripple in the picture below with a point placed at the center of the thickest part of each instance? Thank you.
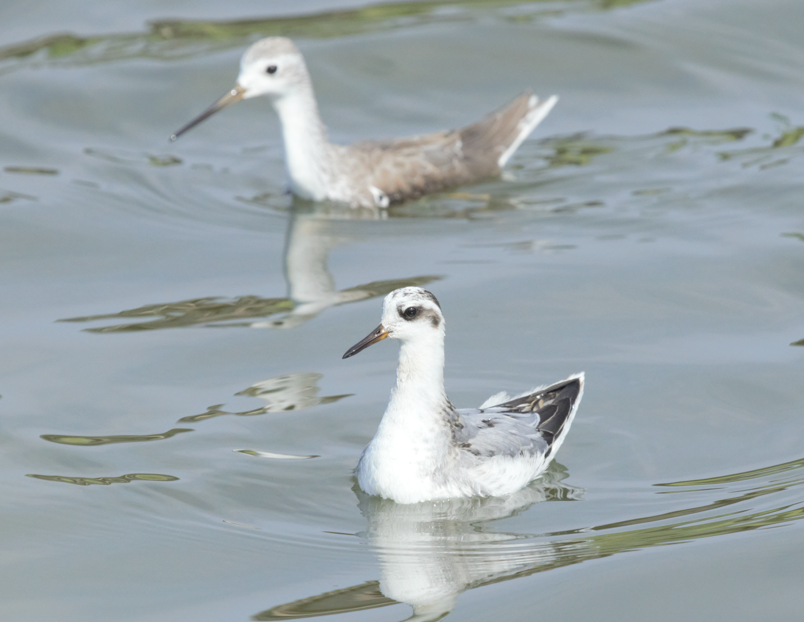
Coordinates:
(429, 553)
(94, 441)
(106, 481)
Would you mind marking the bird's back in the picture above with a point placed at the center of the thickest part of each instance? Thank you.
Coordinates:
(410, 167)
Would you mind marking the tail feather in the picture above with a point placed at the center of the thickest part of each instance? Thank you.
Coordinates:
(490, 142)
(537, 111)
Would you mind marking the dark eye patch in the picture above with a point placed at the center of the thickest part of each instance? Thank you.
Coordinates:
(271, 69)
(410, 313)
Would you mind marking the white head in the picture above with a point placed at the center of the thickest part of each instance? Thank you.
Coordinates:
(272, 67)
(410, 314)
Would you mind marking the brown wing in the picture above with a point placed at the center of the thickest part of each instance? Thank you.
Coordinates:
(410, 167)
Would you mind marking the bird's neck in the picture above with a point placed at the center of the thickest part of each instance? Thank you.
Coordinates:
(414, 437)
(307, 247)
(419, 403)
(307, 148)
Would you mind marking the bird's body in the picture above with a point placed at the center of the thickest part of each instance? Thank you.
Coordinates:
(426, 449)
(372, 173)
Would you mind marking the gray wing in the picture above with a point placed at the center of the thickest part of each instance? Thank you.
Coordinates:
(526, 425)
(494, 432)
(410, 167)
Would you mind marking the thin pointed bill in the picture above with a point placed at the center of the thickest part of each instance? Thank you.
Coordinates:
(378, 334)
(232, 97)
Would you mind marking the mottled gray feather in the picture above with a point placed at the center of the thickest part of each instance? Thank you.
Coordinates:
(523, 426)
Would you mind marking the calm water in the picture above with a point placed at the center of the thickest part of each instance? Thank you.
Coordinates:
(178, 428)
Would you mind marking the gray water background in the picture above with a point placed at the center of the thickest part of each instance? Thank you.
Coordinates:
(164, 306)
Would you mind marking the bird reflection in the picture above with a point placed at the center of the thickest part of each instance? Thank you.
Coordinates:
(312, 234)
(311, 286)
(280, 394)
(431, 552)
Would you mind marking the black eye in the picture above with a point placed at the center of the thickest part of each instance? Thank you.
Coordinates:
(271, 69)
(411, 312)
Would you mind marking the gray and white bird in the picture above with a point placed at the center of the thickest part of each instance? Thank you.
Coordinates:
(425, 448)
(372, 173)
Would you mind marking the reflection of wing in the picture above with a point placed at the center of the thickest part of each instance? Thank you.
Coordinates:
(213, 310)
(311, 289)
(235, 312)
(355, 598)
(280, 394)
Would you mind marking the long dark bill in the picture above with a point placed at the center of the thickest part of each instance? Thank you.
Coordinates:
(378, 334)
(233, 96)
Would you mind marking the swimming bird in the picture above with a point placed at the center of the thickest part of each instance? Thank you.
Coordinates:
(372, 173)
(425, 448)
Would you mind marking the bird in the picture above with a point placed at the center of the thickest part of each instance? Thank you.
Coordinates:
(372, 173)
(425, 449)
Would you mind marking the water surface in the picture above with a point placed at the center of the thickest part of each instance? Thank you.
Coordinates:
(178, 426)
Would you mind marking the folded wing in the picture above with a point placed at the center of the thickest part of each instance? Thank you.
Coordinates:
(531, 424)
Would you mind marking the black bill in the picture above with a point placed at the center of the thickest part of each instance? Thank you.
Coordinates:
(378, 334)
(233, 96)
